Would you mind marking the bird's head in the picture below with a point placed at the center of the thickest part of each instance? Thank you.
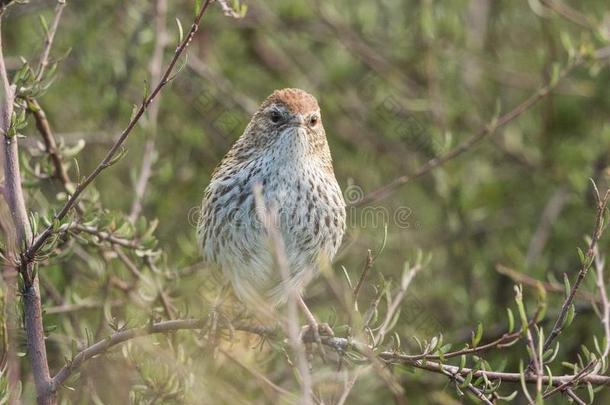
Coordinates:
(288, 121)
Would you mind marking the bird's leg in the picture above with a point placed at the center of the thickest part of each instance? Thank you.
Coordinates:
(314, 327)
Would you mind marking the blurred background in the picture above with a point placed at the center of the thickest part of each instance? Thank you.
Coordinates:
(399, 83)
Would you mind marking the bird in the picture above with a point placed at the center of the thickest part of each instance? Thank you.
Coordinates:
(285, 153)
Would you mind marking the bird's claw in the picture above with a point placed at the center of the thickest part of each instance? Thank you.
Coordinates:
(314, 333)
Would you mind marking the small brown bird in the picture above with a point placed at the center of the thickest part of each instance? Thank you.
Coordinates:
(284, 150)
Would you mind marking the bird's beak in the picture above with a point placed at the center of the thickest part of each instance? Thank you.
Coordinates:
(297, 120)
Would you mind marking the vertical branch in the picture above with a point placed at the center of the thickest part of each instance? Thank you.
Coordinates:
(153, 111)
(23, 235)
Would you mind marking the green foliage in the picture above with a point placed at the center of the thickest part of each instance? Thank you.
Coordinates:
(399, 82)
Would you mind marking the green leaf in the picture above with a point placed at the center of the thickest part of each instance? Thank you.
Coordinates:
(581, 256)
(555, 72)
(44, 24)
(590, 392)
(569, 317)
(566, 283)
(197, 7)
(180, 31)
(467, 380)
(476, 337)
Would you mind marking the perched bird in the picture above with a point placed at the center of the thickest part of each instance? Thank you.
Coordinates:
(284, 151)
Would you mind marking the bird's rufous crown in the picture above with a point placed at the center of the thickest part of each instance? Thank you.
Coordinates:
(295, 100)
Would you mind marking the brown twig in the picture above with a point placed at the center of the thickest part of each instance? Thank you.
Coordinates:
(337, 343)
(29, 255)
(42, 124)
(522, 278)
(575, 397)
(582, 272)
(101, 235)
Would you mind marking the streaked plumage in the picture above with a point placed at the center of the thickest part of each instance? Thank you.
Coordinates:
(284, 149)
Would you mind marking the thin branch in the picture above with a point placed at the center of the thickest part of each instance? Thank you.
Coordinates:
(29, 255)
(101, 235)
(122, 336)
(522, 278)
(587, 262)
(575, 397)
(393, 307)
(388, 189)
(337, 343)
(50, 36)
(42, 124)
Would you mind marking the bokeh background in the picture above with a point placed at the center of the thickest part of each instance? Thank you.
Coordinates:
(399, 82)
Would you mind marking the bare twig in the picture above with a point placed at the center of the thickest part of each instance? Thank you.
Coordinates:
(575, 397)
(29, 255)
(522, 278)
(42, 124)
(393, 307)
(101, 235)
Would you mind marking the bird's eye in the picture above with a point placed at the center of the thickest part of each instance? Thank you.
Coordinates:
(275, 116)
(313, 120)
